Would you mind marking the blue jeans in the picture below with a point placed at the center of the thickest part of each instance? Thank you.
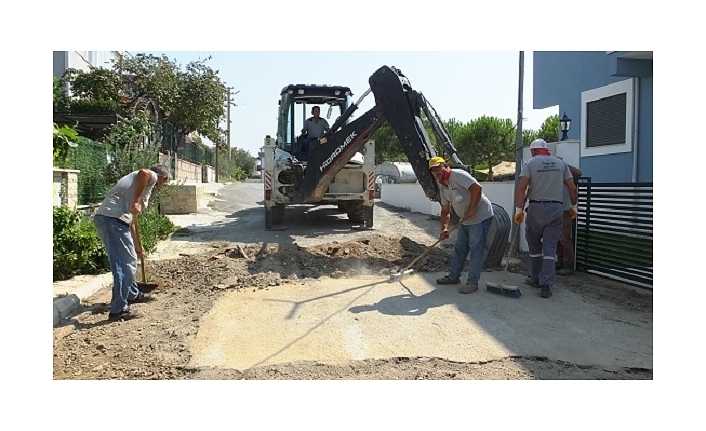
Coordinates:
(118, 243)
(471, 239)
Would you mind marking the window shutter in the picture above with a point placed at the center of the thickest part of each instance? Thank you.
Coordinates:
(606, 121)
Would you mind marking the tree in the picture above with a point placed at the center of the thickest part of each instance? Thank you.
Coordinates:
(462, 138)
(549, 130)
(492, 141)
(96, 84)
(387, 146)
(192, 99)
(65, 138)
(133, 146)
(61, 99)
(237, 165)
(95, 92)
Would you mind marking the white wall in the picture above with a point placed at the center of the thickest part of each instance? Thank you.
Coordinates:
(80, 60)
(83, 59)
(410, 196)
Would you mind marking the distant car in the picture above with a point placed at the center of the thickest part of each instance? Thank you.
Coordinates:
(256, 174)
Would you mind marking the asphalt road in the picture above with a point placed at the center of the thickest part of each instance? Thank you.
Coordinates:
(242, 203)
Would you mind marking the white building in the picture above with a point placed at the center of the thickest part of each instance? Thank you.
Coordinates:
(81, 60)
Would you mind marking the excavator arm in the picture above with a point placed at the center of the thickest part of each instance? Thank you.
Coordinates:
(398, 104)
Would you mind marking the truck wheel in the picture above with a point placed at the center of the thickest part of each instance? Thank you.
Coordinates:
(369, 217)
(356, 212)
(274, 215)
(278, 213)
(268, 217)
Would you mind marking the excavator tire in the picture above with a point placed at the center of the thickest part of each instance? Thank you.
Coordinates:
(356, 212)
(268, 217)
(274, 215)
(278, 213)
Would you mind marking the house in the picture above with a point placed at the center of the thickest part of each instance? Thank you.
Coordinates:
(81, 60)
(91, 126)
(608, 97)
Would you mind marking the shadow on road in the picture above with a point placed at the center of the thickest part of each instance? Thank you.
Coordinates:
(243, 220)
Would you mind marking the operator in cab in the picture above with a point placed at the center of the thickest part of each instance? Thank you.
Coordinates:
(314, 127)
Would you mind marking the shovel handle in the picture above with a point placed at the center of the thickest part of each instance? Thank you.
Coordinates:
(431, 247)
(142, 265)
(142, 258)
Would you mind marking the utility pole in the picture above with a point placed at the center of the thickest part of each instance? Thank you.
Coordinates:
(228, 102)
(228, 124)
(518, 158)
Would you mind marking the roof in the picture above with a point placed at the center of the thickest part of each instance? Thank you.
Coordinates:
(92, 126)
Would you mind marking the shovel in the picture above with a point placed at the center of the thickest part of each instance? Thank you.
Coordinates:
(408, 269)
(144, 286)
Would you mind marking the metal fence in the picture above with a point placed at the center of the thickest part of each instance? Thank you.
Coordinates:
(173, 143)
(614, 231)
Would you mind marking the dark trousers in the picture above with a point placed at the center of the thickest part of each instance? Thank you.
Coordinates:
(565, 248)
(542, 231)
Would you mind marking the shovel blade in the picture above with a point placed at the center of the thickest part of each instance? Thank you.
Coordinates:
(146, 287)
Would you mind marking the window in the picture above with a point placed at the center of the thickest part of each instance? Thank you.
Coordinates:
(607, 115)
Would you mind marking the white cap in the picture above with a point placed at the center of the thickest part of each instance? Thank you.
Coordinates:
(538, 143)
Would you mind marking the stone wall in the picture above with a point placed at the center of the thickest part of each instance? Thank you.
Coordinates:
(65, 188)
(187, 172)
(185, 200)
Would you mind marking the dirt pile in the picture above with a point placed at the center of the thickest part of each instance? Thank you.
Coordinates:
(156, 346)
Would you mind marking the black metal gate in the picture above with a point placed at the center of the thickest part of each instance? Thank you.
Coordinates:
(614, 231)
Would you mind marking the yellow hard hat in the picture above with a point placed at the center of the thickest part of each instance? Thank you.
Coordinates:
(436, 161)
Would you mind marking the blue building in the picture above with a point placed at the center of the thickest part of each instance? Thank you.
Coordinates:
(608, 96)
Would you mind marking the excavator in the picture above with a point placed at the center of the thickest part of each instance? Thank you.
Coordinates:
(338, 167)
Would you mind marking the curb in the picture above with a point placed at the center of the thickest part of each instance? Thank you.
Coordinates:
(65, 305)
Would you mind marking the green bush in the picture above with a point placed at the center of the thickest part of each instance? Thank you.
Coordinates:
(235, 166)
(77, 248)
(79, 251)
(154, 227)
(65, 138)
(91, 159)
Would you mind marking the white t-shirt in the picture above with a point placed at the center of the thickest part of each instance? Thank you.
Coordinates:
(119, 199)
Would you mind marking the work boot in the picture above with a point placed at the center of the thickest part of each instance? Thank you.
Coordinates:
(141, 297)
(468, 288)
(530, 282)
(565, 271)
(546, 292)
(447, 280)
(123, 315)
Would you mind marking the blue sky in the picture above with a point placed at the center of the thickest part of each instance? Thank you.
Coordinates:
(461, 85)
